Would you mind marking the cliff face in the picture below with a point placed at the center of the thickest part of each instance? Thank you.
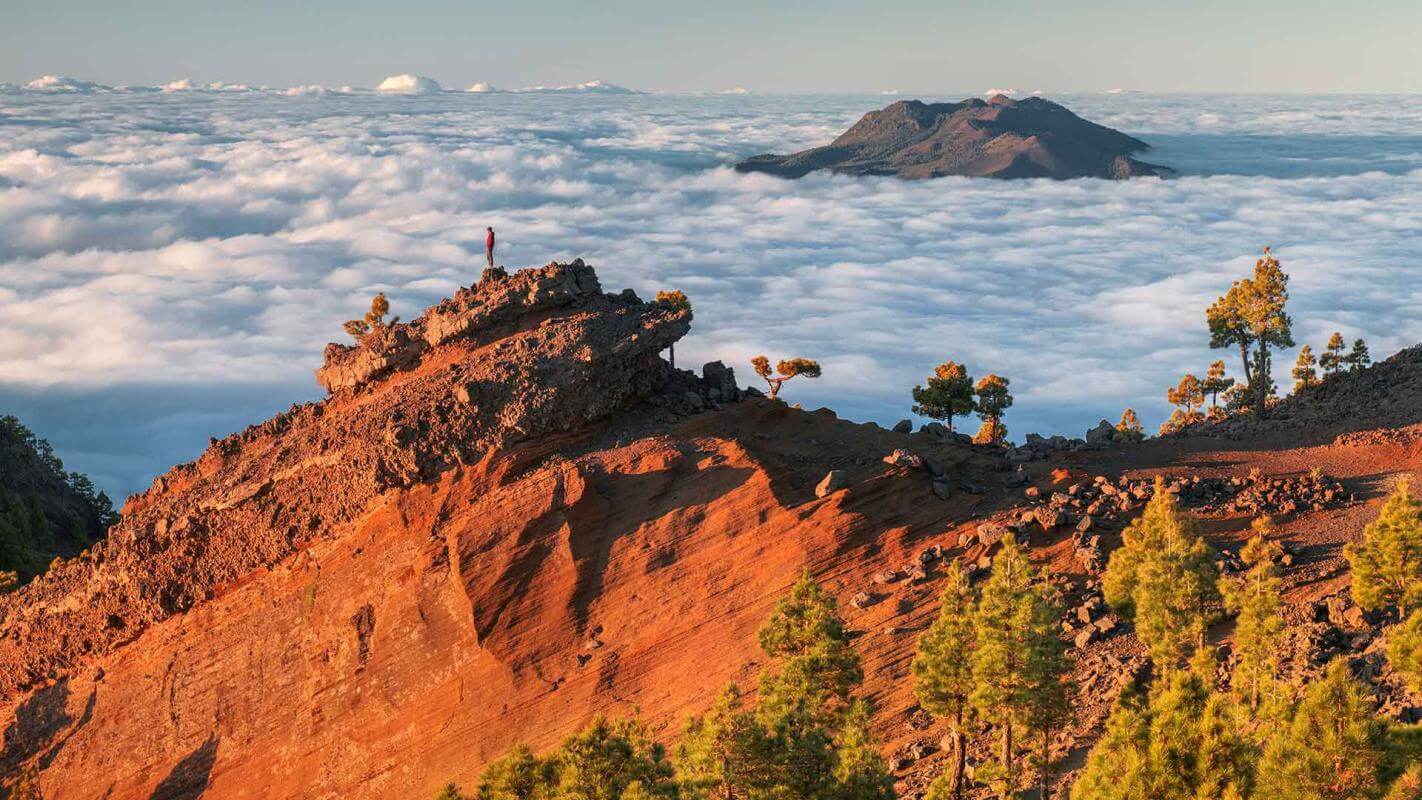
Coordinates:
(997, 138)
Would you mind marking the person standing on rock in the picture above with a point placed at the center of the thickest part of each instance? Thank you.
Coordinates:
(489, 246)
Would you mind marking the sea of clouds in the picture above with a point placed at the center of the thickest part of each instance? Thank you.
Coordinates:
(172, 263)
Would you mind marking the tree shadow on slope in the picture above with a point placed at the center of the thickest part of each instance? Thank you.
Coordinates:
(626, 503)
(190, 777)
(39, 721)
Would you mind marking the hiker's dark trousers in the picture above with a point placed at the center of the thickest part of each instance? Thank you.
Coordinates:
(489, 252)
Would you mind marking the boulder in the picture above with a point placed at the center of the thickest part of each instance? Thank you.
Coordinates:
(990, 533)
(720, 380)
(832, 482)
(1101, 435)
(903, 458)
(903, 426)
(887, 576)
(1049, 518)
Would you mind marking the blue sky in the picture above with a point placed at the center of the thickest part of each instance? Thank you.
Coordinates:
(915, 46)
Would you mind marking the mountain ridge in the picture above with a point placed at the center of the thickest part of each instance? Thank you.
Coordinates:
(511, 515)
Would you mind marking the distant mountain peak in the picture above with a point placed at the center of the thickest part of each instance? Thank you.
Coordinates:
(1000, 137)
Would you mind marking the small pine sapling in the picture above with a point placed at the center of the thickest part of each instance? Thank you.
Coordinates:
(373, 319)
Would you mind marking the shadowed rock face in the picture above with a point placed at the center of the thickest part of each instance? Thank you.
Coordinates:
(997, 138)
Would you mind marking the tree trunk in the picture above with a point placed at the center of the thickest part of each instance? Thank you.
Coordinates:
(672, 349)
(774, 384)
(960, 756)
(1008, 777)
(1261, 372)
(1244, 357)
(1046, 765)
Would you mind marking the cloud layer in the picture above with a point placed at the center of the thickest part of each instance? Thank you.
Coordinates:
(207, 244)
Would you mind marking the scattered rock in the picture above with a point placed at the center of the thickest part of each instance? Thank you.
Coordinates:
(903, 458)
(832, 482)
(1101, 435)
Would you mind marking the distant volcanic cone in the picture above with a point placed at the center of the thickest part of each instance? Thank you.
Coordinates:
(996, 138)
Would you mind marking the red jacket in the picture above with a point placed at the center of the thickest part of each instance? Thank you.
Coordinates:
(489, 240)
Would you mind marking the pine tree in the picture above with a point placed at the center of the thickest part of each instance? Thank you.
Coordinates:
(1216, 382)
(1305, 376)
(1258, 631)
(1404, 650)
(1251, 316)
(602, 760)
(990, 432)
(1174, 423)
(787, 369)
(1163, 579)
(948, 393)
(1129, 428)
(1387, 560)
(806, 704)
(1189, 395)
(943, 675)
(450, 792)
(373, 319)
(518, 775)
(1358, 360)
(1408, 785)
(994, 399)
(860, 772)
(1332, 360)
(1180, 743)
(1018, 663)
(1119, 765)
(820, 667)
(725, 754)
(1331, 748)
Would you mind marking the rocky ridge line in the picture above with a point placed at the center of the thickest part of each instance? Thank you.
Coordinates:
(514, 357)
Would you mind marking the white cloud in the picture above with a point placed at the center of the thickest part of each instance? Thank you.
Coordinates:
(591, 87)
(408, 84)
(481, 87)
(60, 83)
(145, 244)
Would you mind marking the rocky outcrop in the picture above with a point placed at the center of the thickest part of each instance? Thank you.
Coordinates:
(997, 138)
(538, 353)
(1373, 405)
